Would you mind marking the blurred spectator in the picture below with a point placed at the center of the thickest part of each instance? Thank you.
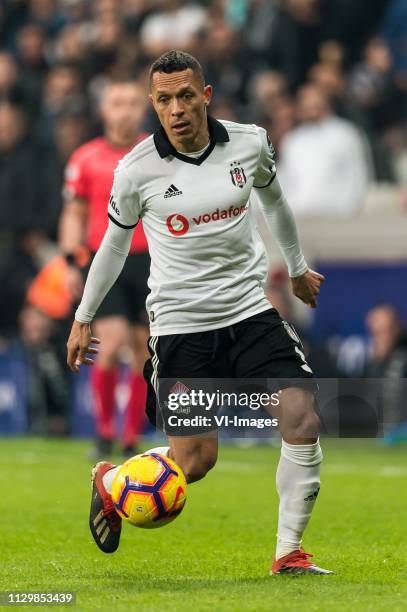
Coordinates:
(372, 93)
(70, 131)
(283, 121)
(175, 25)
(222, 108)
(330, 77)
(271, 104)
(74, 11)
(63, 94)
(71, 46)
(388, 360)
(395, 32)
(388, 341)
(31, 41)
(300, 27)
(62, 90)
(333, 53)
(46, 13)
(12, 17)
(17, 268)
(47, 384)
(260, 18)
(295, 38)
(371, 84)
(29, 211)
(128, 57)
(351, 23)
(12, 87)
(8, 75)
(26, 177)
(225, 65)
(324, 165)
(267, 88)
(107, 32)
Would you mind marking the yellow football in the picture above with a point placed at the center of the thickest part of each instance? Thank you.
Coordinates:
(149, 490)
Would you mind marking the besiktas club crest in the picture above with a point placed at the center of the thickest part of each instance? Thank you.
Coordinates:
(237, 174)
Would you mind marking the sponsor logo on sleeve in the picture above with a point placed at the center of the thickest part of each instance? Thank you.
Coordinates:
(114, 205)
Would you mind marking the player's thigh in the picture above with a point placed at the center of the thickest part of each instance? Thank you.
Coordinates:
(181, 363)
(269, 348)
(195, 455)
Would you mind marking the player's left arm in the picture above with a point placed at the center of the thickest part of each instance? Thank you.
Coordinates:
(305, 282)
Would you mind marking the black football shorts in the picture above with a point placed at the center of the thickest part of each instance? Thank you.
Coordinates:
(263, 346)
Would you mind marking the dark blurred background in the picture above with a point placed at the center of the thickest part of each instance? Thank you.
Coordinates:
(326, 78)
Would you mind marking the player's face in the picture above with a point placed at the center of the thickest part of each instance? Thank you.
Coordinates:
(123, 107)
(180, 100)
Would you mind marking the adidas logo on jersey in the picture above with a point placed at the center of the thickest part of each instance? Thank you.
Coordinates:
(172, 191)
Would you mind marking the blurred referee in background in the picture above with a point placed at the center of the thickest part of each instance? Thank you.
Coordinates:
(121, 320)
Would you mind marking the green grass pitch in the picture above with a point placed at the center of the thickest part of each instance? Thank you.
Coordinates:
(216, 555)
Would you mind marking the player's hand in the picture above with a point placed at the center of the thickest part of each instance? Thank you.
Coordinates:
(306, 287)
(74, 282)
(79, 346)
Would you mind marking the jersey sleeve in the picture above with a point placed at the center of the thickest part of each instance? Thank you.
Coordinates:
(266, 167)
(124, 202)
(75, 179)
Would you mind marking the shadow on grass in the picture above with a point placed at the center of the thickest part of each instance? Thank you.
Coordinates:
(150, 582)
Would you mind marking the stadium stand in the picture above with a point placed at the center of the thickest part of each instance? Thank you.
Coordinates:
(263, 58)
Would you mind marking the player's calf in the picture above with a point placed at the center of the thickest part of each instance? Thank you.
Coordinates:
(195, 455)
(196, 468)
(304, 429)
(298, 420)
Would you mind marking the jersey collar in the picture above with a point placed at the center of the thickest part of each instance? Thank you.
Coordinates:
(217, 133)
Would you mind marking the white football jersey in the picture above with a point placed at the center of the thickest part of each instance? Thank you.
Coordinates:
(208, 264)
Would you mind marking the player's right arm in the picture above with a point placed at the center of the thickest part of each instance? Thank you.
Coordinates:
(123, 211)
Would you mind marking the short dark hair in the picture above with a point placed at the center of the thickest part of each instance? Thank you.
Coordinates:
(177, 61)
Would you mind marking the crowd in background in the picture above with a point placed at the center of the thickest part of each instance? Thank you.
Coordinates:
(325, 77)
